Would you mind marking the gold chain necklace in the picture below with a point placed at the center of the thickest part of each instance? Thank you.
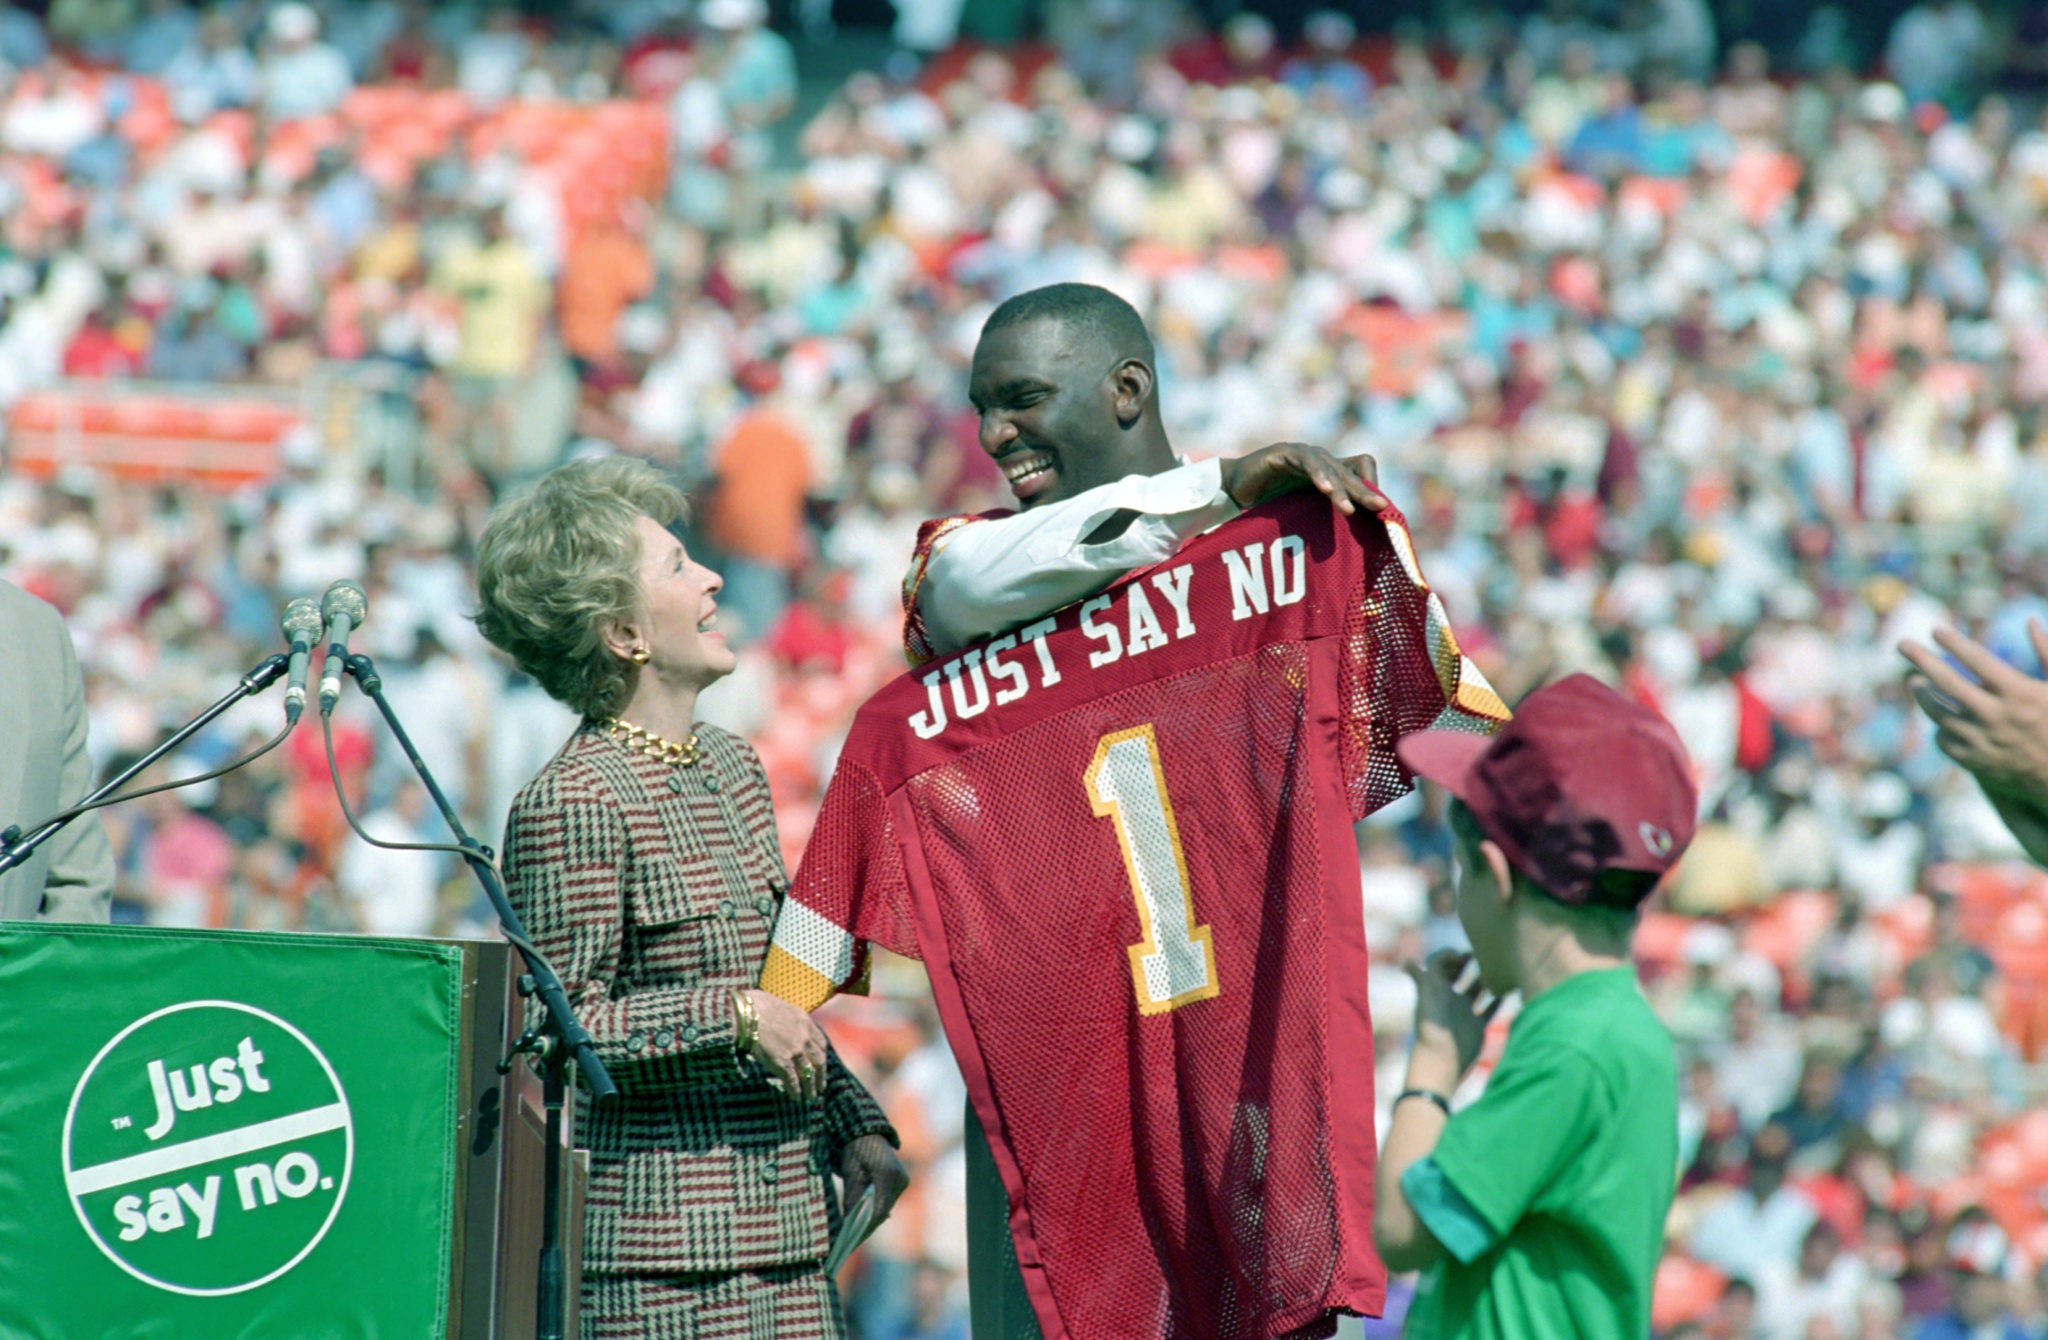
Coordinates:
(646, 742)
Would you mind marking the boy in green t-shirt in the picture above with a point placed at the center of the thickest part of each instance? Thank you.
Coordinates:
(1538, 1211)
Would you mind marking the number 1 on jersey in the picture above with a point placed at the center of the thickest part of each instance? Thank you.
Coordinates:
(1175, 964)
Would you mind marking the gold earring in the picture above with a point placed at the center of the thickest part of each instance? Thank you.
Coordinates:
(642, 655)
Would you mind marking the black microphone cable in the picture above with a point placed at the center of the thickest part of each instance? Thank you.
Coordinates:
(62, 816)
(20, 831)
(496, 862)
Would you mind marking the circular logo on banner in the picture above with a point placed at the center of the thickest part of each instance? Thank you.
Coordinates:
(208, 1147)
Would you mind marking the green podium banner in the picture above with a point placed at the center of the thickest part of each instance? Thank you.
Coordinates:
(217, 1135)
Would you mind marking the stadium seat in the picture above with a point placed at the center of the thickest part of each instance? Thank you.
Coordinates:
(1785, 930)
(387, 167)
(1157, 260)
(1909, 927)
(35, 413)
(1685, 1291)
(1660, 938)
(148, 126)
(238, 128)
(1662, 196)
(1760, 181)
(368, 105)
(1983, 892)
(2019, 943)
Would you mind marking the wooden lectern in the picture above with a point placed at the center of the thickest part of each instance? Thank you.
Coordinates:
(498, 1182)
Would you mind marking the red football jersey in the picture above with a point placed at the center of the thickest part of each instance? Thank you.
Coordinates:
(1121, 840)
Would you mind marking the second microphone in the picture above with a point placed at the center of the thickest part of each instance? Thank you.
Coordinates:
(345, 606)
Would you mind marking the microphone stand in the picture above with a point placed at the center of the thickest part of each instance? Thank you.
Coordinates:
(556, 1040)
(15, 848)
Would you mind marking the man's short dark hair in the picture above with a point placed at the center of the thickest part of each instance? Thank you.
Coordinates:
(1089, 312)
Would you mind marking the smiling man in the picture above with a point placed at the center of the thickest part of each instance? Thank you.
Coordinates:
(1065, 385)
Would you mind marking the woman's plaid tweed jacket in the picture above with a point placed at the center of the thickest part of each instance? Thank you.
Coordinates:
(653, 890)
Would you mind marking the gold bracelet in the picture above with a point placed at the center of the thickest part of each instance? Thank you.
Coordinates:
(747, 1025)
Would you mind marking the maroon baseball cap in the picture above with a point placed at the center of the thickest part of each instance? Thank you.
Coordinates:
(1581, 782)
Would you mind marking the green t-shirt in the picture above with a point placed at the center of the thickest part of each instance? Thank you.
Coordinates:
(1549, 1193)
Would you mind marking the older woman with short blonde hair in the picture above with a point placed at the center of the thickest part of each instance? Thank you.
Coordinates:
(645, 863)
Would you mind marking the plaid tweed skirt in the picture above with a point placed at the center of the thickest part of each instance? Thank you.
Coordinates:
(778, 1303)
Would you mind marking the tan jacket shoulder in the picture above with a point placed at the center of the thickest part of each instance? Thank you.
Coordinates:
(44, 767)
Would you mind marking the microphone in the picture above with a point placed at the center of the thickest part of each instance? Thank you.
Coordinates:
(344, 607)
(302, 624)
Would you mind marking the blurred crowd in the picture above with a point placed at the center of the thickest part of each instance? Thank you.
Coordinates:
(1713, 368)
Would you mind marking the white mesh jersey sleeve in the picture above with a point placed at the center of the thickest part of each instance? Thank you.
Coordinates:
(995, 575)
(850, 892)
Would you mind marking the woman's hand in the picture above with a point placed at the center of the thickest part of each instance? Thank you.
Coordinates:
(1450, 1028)
(790, 1044)
(871, 1161)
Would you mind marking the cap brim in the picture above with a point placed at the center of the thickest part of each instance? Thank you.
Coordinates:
(1445, 757)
